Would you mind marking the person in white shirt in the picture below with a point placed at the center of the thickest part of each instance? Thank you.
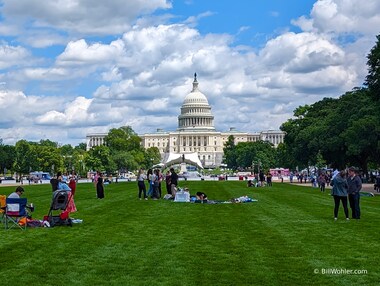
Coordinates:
(15, 195)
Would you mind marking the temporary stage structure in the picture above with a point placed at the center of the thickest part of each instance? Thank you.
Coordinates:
(188, 158)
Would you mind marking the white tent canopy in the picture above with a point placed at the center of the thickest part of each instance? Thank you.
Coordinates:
(159, 165)
(190, 158)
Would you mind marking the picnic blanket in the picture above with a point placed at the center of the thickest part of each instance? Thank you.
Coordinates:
(239, 200)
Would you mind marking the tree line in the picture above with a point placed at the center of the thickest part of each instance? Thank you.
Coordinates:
(122, 152)
(334, 132)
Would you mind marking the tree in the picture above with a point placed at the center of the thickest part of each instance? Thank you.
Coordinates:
(258, 153)
(123, 139)
(25, 158)
(124, 161)
(230, 156)
(320, 162)
(7, 157)
(283, 157)
(48, 143)
(78, 161)
(67, 152)
(81, 146)
(49, 159)
(152, 156)
(126, 151)
(373, 83)
(99, 159)
(361, 138)
(342, 131)
(373, 77)
(294, 141)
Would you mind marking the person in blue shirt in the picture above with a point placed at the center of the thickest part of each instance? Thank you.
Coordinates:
(339, 192)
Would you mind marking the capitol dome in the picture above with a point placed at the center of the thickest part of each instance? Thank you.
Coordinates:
(195, 97)
(195, 111)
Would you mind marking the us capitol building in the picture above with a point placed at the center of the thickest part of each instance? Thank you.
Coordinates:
(195, 133)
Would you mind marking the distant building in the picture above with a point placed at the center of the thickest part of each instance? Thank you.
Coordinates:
(196, 133)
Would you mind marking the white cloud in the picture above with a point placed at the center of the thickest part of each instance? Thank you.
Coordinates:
(303, 52)
(42, 39)
(9, 29)
(157, 105)
(71, 115)
(343, 16)
(46, 73)
(80, 53)
(112, 75)
(80, 16)
(12, 56)
(193, 20)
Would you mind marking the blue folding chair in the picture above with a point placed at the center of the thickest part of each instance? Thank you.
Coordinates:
(15, 210)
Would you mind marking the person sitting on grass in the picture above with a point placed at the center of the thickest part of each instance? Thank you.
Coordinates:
(201, 196)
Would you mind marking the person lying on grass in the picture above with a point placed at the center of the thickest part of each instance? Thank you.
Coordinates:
(201, 196)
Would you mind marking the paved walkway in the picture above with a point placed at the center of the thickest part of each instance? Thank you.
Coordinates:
(368, 188)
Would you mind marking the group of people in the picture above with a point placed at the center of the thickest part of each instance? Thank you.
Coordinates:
(347, 186)
(155, 178)
(260, 180)
(58, 184)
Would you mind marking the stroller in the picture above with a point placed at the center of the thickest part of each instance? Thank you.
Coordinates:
(59, 202)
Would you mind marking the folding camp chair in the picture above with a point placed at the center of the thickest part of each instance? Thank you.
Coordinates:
(2, 207)
(15, 211)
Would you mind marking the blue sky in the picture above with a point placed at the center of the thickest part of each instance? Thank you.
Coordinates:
(258, 19)
(68, 68)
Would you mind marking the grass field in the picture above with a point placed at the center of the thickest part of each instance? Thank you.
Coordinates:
(288, 237)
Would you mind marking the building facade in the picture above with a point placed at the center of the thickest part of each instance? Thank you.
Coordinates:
(196, 133)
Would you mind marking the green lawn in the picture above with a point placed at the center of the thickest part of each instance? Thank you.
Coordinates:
(282, 239)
